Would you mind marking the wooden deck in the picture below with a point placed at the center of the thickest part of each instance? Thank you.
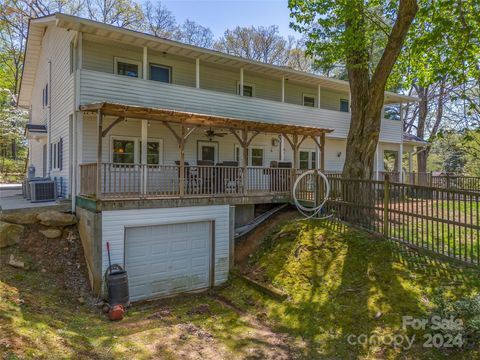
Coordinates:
(136, 181)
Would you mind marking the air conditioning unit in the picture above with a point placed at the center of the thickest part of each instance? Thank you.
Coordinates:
(26, 186)
(43, 190)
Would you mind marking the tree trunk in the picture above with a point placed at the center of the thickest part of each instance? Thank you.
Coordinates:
(422, 156)
(367, 94)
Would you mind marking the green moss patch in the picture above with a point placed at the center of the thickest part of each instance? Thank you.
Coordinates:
(345, 282)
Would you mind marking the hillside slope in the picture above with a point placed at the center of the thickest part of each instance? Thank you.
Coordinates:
(344, 282)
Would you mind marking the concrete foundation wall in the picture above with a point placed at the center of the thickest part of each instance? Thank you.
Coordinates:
(90, 230)
(244, 214)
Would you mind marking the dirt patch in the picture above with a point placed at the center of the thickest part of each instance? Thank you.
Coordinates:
(248, 244)
(278, 346)
(60, 258)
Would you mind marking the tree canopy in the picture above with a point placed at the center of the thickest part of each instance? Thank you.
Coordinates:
(397, 45)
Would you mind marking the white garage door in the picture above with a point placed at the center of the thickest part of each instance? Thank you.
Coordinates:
(167, 259)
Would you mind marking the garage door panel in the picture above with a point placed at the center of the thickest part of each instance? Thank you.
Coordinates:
(160, 246)
(180, 264)
(166, 259)
(160, 268)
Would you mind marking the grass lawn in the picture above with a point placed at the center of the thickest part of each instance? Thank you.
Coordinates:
(339, 283)
(343, 282)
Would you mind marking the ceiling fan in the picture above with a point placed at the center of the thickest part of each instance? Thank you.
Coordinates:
(210, 134)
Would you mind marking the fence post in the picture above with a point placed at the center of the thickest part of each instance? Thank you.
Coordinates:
(386, 203)
(448, 181)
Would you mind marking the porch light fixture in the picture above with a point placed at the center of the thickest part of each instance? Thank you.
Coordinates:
(339, 154)
(275, 142)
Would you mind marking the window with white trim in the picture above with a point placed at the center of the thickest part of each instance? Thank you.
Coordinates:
(154, 151)
(248, 89)
(56, 156)
(307, 159)
(256, 156)
(309, 100)
(237, 153)
(127, 67)
(123, 150)
(161, 73)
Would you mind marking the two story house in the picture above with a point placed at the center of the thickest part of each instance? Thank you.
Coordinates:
(163, 148)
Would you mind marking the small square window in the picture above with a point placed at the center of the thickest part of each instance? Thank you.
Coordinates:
(308, 100)
(344, 105)
(160, 73)
(248, 89)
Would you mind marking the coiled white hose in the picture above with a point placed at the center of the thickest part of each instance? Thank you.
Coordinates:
(313, 211)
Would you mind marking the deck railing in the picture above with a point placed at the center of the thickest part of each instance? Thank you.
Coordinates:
(88, 179)
(120, 181)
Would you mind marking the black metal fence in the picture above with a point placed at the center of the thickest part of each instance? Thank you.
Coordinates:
(443, 220)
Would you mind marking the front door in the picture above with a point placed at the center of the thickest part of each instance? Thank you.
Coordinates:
(208, 150)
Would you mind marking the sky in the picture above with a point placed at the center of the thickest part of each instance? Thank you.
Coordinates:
(220, 15)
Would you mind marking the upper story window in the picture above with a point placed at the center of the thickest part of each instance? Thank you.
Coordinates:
(248, 89)
(127, 67)
(161, 73)
(308, 100)
(344, 105)
(391, 112)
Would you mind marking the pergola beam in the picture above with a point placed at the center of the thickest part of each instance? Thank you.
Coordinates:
(194, 119)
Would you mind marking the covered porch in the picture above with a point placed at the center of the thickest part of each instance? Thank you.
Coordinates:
(237, 175)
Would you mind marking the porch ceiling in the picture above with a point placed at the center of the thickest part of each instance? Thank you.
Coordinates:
(195, 119)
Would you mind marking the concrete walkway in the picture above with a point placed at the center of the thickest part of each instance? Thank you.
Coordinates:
(11, 200)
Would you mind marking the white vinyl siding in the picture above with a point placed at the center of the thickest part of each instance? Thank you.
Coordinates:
(96, 87)
(115, 222)
(56, 49)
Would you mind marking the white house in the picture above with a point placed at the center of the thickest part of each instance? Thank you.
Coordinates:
(163, 147)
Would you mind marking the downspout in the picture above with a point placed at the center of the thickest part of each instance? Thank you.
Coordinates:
(76, 104)
(49, 118)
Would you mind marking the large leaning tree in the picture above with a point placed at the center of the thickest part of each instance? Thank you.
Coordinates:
(352, 32)
(423, 42)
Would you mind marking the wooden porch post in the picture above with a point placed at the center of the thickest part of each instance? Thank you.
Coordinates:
(245, 143)
(99, 154)
(181, 146)
(143, 159)
(245, 159)
(181, 140)
(322, 152)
